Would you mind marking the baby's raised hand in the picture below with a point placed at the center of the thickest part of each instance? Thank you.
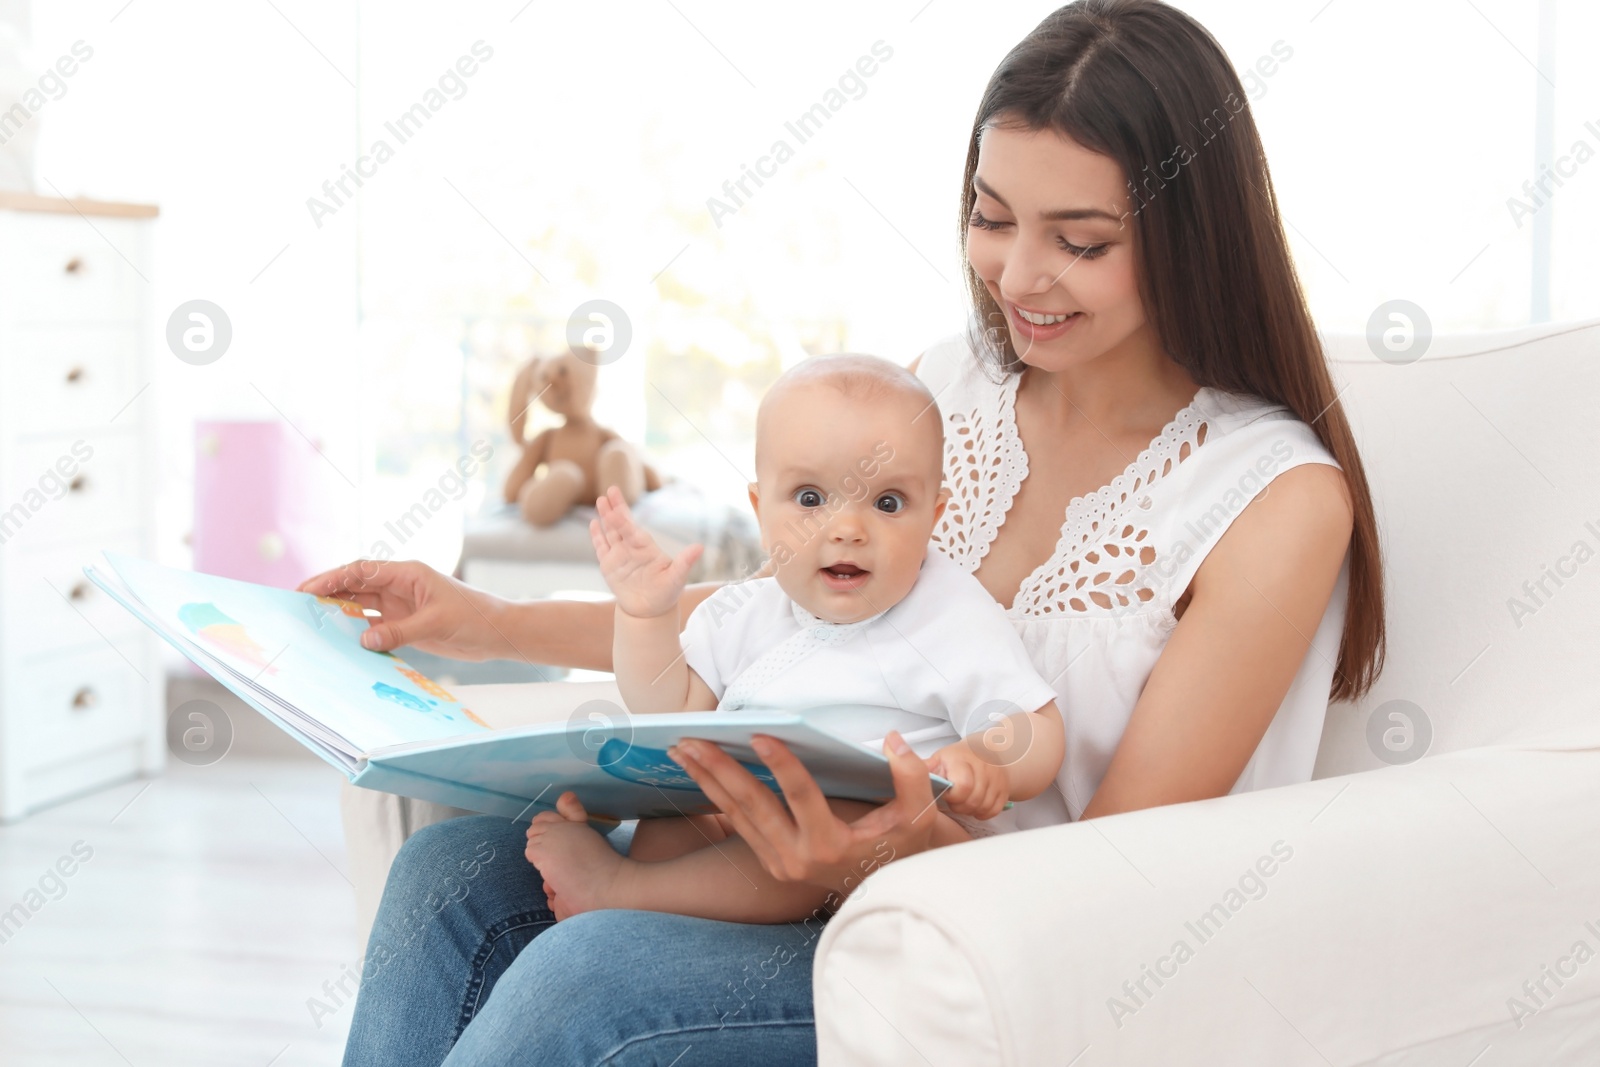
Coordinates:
(978, 787)
(645, 580)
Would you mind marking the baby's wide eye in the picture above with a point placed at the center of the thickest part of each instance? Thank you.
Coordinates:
(890, 503)
(808, 498)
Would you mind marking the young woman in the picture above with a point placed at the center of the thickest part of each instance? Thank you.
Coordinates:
(1141, 371)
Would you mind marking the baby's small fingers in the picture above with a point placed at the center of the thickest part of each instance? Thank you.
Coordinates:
(612, 531)
(687, 559)
(961, 782)
(990, 807)
(621, 505)
(967, 806)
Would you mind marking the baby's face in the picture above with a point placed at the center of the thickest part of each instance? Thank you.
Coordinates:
(847, 497)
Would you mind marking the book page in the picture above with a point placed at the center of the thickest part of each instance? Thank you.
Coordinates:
(303, 650)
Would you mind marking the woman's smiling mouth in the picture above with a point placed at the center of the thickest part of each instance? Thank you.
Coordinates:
(1039, 326)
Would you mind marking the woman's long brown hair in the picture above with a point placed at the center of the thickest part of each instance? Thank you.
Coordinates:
(1146, 85)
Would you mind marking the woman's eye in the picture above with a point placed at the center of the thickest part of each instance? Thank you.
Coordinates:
(977, 219)
(1083, 251)
(809, 498)
(894, 501)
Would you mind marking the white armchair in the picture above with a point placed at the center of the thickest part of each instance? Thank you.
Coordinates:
(1443, 911)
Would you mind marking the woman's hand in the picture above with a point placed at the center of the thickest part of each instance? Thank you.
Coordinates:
(645, 580)
(806, 841)
(420, 607)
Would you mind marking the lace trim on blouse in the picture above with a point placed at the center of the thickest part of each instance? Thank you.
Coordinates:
(1103, 562)
(984, 465)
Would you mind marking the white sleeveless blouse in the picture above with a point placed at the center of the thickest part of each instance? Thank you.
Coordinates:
(1095, 616)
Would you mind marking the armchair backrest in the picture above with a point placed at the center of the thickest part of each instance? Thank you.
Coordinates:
(1484, 460)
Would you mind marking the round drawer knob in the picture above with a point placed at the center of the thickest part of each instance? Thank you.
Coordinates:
(74, 265)
(79, 591)
(77, 484)
(76, 374)
(84, 699)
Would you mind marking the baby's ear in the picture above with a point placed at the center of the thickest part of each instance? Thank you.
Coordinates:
(939, 504)
(755, 496)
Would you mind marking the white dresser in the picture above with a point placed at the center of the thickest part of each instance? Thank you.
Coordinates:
(82, 696)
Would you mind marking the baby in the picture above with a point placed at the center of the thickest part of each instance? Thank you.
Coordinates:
(859, 609)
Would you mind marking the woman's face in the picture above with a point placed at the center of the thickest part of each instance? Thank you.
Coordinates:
(1051, 237)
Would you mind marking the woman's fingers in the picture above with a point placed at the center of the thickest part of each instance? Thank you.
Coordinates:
(734, 789)
(913, 789)
(805, 840)
(800, 790)
(366, 600)
(357, 574)
(319, 583)
(759, 843)
(385, 635)
(743, 796)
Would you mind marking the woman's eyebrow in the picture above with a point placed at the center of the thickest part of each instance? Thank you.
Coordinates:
(1066, 214)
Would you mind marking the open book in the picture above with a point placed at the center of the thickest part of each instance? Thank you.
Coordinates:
(298, 660)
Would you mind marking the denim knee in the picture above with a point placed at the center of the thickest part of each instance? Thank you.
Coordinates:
(440, 841)
(440, 850)
(625, 987)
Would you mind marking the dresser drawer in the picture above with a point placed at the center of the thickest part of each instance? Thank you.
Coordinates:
(65, 705)
(57, 268)
(52, 606)
(68, 487)
(54, 379)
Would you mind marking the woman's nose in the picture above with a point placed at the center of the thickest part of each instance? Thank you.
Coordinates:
(1028, 271)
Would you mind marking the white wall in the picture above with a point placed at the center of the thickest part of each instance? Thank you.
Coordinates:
(580, 159)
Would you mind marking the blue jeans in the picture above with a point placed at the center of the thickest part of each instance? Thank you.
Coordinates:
(466, 966)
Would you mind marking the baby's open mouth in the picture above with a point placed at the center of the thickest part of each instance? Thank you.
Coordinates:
(845, 576)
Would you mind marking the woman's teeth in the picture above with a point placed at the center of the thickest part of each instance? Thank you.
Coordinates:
(1043, 320)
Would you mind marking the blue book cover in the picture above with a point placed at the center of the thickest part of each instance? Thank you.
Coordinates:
(297, 658)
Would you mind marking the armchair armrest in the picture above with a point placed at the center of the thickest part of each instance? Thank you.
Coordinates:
(1406, 916)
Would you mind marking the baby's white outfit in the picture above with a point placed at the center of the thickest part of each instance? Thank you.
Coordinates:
(942, 663)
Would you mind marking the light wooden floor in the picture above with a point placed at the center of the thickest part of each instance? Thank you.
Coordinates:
(213, 907)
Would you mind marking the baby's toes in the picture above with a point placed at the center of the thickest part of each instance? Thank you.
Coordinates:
(570, 808)
(550, 896)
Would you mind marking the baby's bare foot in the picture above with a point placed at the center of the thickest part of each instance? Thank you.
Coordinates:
(581, 871)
